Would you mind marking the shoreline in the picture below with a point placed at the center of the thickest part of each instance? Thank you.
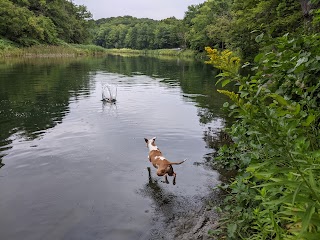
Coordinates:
(76, 50)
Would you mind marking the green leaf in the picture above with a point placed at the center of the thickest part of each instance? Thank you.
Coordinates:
(312, 181)
(261, 175)
(225, 82)
(307, 217)
(279, 99)
(296, 192)
(259, 38)
(232, 230)
(309, 120)
(243, 93)
(281, 113)
(258, 57)
(297, 109)
(316, 154)
(223, 74)
(254, 167)
(300, 61)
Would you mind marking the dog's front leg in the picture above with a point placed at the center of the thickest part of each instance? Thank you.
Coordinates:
(166, 179)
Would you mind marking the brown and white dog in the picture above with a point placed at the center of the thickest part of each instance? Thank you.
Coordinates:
(164, 167)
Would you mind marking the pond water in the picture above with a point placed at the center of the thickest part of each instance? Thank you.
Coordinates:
(76, 167)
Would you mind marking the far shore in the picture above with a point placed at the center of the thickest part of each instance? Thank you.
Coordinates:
(76, 50)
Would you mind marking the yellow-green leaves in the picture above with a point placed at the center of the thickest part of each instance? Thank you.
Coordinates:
(224, 60)
(233, 96)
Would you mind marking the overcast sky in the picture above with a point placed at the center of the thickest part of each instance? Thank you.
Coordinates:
(154, 9)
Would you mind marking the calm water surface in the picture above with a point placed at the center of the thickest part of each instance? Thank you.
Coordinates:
(76, 168)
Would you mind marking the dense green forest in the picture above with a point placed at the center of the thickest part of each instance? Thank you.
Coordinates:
(216, 23)
(130, 32)
(222, 24)
(30, 22)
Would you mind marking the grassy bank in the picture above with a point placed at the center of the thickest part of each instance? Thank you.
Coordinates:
(184, 53)
(10, 49)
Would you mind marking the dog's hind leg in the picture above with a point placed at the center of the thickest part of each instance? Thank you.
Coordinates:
(174, 178)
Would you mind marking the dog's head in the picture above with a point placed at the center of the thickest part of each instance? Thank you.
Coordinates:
(165, 169)
(150, 142)
(162, 171)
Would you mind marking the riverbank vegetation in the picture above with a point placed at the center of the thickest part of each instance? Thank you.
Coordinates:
(182, 53)
(219, 24)
(276, 136)
(216, 23)
(9, 49)
(45, 28)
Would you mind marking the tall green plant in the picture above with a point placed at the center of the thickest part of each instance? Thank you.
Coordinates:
(277, 144)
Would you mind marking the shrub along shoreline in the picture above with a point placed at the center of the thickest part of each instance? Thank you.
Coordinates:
(276, 149)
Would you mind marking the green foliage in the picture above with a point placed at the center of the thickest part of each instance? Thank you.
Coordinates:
(9, 49)
(203, 24)
(217, 23)
(272, 17)
(276, 194)
(41, 22)
(130, 32)
(208, 24)
(6, 44)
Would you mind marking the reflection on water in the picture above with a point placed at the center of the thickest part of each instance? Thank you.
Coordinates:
(196, 80)
(35, 96)
(76, 166)
(110, 108)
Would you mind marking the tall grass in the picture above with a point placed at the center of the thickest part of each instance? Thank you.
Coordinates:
(9, 49)
(183, 53)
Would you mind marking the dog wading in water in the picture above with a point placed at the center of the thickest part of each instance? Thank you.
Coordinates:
(164, 167)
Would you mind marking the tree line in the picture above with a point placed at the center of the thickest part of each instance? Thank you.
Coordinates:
(131, 32)
(232, 24)
(31, 22)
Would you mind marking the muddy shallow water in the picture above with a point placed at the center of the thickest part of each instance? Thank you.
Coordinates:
(76, 167)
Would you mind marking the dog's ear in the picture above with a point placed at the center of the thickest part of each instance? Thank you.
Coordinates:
(146, 140)
(153, 139)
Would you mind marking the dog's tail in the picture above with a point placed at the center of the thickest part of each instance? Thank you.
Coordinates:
(177, 163)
